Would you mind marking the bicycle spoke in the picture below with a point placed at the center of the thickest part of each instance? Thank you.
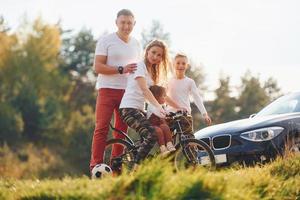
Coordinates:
(194, 154)
(124, 160)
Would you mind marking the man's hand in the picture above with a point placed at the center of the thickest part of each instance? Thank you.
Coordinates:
(130, 68)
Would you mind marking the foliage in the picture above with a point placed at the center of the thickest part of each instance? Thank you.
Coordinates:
(38, 98)
(29, 161)
(30, 80)
(156, 31)
(156, 179)
(272, 89)
(252, 97)
(47, 97)
(78, 52)
(223, 107)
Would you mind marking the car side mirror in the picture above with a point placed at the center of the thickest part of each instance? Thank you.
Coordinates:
(253, 115)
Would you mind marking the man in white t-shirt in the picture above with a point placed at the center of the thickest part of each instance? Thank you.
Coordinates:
(116, 56)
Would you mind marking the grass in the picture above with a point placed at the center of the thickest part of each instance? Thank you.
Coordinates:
(156, 179)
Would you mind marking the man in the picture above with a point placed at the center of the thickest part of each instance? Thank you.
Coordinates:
(116, 55)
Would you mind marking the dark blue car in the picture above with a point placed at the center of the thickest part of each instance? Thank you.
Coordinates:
(260, 138)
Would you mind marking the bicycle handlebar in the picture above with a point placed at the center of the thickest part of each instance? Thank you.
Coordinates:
(177, 115)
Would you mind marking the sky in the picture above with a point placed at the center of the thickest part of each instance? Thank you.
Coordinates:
(226, 37)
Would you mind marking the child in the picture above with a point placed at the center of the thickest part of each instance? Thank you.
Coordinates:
(162, 129)
(150, 71)
(179, 89)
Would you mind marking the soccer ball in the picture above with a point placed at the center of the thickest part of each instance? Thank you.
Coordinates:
(101, 170)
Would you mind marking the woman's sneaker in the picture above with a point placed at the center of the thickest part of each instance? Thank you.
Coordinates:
(170, 147)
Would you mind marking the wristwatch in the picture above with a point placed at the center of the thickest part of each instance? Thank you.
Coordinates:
(120, 69)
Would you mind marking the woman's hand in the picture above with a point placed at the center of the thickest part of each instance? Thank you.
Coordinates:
(159, 112)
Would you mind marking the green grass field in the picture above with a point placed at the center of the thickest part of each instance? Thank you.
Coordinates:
(156, 179)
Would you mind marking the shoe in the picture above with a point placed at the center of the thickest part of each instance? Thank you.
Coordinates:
(164, 151)
(170, 147)
(135, 167)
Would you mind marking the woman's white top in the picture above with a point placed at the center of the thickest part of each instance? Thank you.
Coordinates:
(133, 96)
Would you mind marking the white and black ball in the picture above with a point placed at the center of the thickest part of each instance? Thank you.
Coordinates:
(101, 170)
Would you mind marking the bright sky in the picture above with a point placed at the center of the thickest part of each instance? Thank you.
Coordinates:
(225, 36)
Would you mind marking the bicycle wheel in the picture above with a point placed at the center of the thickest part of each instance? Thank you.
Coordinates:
(123, 161)
(194, 153)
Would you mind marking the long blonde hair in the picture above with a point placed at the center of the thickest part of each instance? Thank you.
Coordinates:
(158, 72)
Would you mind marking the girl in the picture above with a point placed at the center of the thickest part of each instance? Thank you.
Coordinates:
(162, 129)
(149, 72)
(181, 87)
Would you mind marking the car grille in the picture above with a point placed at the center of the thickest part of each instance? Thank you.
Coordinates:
(221, 141)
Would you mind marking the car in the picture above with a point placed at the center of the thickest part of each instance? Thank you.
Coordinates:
(261, 137)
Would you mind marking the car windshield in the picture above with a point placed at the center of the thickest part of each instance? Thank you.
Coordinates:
(286, 104)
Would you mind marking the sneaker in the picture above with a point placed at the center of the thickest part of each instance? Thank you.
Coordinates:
(135, 167)
(170, 147)
(164, 151)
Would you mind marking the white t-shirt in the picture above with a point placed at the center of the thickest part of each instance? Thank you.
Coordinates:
(119, 53)
(133, 96)
(179, 90)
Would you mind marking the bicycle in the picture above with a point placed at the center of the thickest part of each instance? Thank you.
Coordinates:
(189, 151)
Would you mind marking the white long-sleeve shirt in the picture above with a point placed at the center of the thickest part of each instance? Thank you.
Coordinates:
(180, 90)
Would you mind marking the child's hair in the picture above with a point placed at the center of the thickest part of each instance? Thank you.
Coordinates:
(125, 12)
(157, 91)
(158, 73)
(180, 55)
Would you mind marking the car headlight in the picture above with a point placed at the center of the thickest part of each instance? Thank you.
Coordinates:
(262, 134)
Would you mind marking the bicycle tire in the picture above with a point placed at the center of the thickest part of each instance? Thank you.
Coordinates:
(124, 161)
(201, 153)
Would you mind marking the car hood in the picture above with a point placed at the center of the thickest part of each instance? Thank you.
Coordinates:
(235, 127)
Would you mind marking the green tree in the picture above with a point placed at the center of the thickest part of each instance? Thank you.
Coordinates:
(196, 72)
(11, 123)
(156, 31)
(272, 89)
(223, 107)
(253, 96)
(78, 52)
(77, 57)
(30, 79)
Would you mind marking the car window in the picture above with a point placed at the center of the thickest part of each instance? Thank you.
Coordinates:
(285, 104)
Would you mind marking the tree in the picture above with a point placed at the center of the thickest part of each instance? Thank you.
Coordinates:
(77, 57)
(78, 53)
(272, 89)
(223, 107)
(156, 31)
(31, 82)
(253, 97)
(196, 72)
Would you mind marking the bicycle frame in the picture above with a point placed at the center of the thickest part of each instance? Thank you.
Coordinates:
(127, 138)
(177, 132)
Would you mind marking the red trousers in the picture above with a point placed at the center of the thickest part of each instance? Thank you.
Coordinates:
(108, 102)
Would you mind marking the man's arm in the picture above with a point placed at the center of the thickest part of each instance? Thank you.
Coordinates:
(101, 67)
